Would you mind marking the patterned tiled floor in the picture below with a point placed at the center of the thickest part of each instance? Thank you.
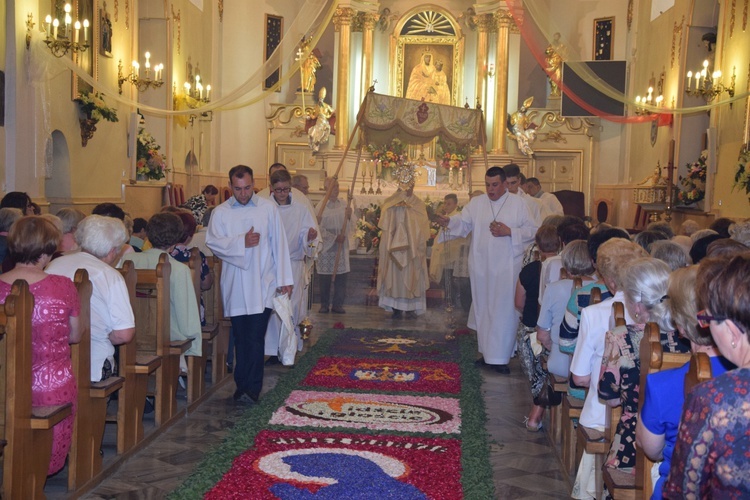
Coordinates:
(524, 463)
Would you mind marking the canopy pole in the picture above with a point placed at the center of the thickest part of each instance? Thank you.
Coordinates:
(349, 198)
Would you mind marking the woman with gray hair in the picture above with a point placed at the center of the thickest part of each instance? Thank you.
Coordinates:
(644, 283)
(740, 231)
(112, 322)
(664, 395)
(673, 254)
(70, 218)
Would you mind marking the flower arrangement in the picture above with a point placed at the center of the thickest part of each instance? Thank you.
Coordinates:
(694, 183)
(95, 108)
(742, 176)
(367, 227)
(389, 155)
(150, 163)
(454, 156)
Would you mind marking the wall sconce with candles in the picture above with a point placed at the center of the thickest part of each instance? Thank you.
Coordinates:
(709, 85)
(197, 91)
(63, 37)
(649, 99)
(142, 84)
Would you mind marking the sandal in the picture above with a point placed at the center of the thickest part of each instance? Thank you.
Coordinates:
(532, 428)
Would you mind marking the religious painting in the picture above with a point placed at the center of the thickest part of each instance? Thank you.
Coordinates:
(604, 34)
(274, 31)
(85, 9)
(105, 32)
(428, 57)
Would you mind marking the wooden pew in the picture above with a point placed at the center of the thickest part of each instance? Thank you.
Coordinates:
(196, 384)
(698, 372)
(152, 312)
(653, 359)
(215, 328)
(136, 369)
(85, 460)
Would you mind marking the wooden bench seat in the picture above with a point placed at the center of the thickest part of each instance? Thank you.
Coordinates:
(105, 388)
(619, 484)
(46, 417)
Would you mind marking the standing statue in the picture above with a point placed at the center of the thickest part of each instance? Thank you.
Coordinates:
(308, 66)
(319, 132)
(555, 55)
(522, 129)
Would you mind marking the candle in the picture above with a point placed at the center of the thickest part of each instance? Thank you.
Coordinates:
(68, 20)
(187, 88)
(208, 92)
(85, 30)
(48, 20)
(689, 77)
(199, 88)
(78, 28)
(55, 24)
(136, 68)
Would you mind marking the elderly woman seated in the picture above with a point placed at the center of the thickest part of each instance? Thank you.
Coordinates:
(656, 431)
(645, 287)
(710, 458)
(70, 218)
(182, 253)
(164, 232)
(112, 322)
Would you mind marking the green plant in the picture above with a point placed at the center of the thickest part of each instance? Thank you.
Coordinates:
(742, 176)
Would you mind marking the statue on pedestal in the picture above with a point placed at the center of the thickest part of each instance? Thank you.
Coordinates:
(308, 66)
(555, 54)
(320, 132)
(522, 129)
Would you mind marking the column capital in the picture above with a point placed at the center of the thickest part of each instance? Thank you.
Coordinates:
(485, 22)
(503, 19)
(343, 17)
(369, 20)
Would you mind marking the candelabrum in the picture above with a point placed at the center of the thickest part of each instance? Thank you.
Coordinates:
(63, 37)
(364, 181)
(709, 85)
(142, 84)
(371, 191)
(643, 103)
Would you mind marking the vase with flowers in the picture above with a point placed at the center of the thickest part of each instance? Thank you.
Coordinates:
(388, 156)
(150, 164)
(455, 159)
(93, 106)
(693, 184)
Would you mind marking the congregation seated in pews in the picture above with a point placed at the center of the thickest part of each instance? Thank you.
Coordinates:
(84, 369)
(645, 336)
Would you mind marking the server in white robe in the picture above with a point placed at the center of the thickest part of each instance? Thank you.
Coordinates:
(246, 232)
(296, 193)
(302, 238)
(501, 227)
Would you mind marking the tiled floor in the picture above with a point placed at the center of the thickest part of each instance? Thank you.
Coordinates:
(524, 463)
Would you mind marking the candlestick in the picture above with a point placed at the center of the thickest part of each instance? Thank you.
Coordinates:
(85, 30)
(363, 190)
(55, 24)
(371, 191)
(78, 28)
(48, 20)
(208, 92)
(689, 77)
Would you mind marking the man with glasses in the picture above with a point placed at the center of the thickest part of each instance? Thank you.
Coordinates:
(247, 234)
(302, 238)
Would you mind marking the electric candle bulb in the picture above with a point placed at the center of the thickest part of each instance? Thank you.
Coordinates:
(637, 99)
(48, 20)
(78, 28)
(55, 24)
(208, 92)
(67, 8)
(85, 30)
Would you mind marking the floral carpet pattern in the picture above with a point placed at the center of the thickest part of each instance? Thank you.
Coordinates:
(407, 429)
(396, 345)
(385, 375)
(368, 411)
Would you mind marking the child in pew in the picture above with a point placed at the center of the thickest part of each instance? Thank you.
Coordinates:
(31, 242)
(112, 321)
(656, 431)
(164, 232)
(644, 283)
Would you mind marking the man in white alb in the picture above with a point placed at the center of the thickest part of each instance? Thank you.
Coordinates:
(549, 202)
(501, 227)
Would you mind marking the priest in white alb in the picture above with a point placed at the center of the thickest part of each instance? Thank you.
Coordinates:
(302, 239)
(501, 227)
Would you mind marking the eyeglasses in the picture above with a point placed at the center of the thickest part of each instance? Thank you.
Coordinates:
(282, 190)
(705, 319)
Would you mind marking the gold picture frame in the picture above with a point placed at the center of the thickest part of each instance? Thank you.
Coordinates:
(412, 46)
(88, 59)
(604, 36)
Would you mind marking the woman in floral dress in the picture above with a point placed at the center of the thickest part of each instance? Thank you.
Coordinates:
(645, 286)
(31, 242)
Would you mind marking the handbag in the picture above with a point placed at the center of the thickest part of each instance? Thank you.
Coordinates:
(548, 396)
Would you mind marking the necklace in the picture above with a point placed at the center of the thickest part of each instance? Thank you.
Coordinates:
(495, 214)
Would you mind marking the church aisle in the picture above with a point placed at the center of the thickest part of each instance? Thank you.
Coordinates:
(524, 465)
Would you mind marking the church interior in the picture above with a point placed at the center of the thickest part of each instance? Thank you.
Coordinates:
(635, 111)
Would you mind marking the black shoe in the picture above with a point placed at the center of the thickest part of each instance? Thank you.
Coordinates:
(323, 309)
(241, 396)
(396, 314)
(272, 360)
(502, 369)
(480, 362)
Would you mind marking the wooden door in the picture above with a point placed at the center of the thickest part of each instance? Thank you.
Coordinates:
(558, 170)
